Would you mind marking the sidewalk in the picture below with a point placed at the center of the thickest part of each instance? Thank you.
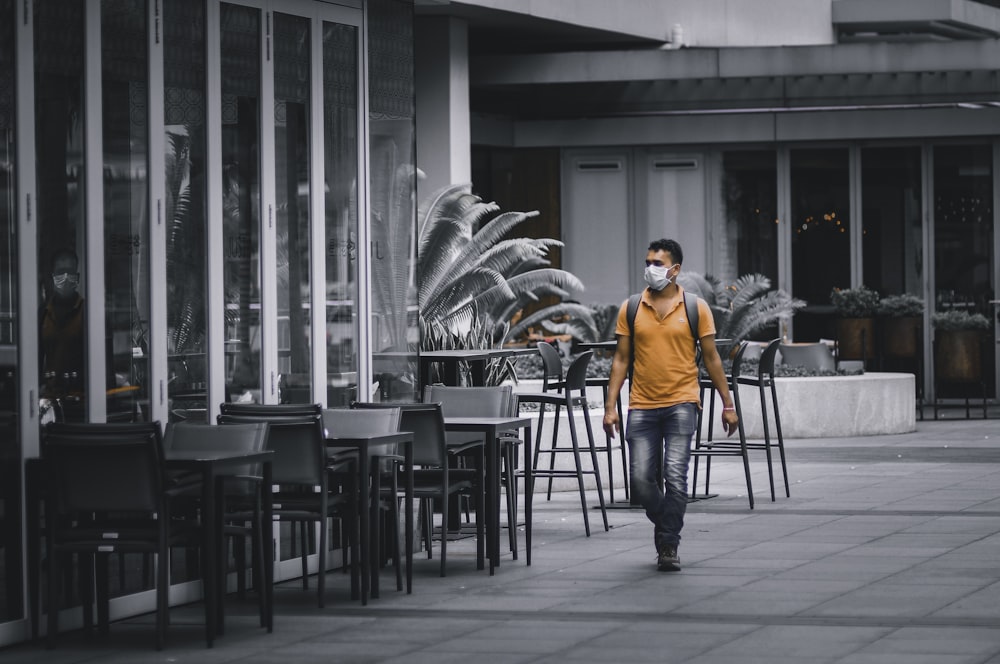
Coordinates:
(887, 551)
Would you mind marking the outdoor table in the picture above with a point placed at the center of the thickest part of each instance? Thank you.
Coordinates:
(213, 466)
(490, 427)
(370, 447)
(598, 345)
(476, 359)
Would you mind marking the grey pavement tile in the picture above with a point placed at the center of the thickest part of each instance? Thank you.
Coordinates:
(808, 642)
(945, 641)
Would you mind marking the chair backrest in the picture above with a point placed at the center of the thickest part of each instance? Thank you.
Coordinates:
(576, 374)
(737, 358)
(94, 468)
(426, 422)
(249, 437)
(298, 444)
(551, 364)
(270, 410)
(765, 365)
(487, 401)
(345, 422)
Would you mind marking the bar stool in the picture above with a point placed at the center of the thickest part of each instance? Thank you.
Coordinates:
(710, 448)
(764, 381)
(574, 395)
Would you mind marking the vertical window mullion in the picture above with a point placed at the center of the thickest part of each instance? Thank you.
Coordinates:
(268, 234)
(216, 310)
(157, 231)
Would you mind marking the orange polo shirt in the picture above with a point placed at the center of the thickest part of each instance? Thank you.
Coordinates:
(664, 373)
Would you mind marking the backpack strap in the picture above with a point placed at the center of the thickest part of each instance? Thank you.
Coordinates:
(690, 306)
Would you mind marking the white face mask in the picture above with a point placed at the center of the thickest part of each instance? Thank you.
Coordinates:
(656, 276)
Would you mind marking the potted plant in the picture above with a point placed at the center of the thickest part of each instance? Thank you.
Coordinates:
(901, 322)
(856, 309)
(958, 345)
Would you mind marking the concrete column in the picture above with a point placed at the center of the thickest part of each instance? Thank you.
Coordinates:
(442, 102)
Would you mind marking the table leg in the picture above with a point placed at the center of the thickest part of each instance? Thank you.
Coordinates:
(267, 555)
(529, 482)
(409, 516)
(492, 499)
(208, 568)
(364, 496)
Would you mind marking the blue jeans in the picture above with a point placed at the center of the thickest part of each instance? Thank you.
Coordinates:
(661, 438)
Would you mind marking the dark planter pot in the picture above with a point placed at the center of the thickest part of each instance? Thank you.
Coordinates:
(901, 336)
(958, 356)
(850, 332)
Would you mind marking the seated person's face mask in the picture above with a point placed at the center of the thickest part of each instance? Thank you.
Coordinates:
(656, 276)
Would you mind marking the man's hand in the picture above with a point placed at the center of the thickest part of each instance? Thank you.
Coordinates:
(611, 423)
(730, 421)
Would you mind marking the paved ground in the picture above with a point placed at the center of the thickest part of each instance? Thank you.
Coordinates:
(887, 551)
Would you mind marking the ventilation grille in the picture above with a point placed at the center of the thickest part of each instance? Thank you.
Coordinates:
(675, 164)
(603, 165)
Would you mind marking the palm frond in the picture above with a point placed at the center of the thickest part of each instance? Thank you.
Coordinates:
(569, 310)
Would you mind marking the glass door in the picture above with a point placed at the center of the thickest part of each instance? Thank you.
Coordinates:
(10, 448)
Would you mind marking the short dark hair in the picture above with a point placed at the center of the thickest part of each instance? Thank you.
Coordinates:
(67, 253)
(671, 246)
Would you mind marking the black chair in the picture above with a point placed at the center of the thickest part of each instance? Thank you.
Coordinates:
(239, 509)
(308, 489)
(106, 492)
(485, 401)
(345, 423)
(434, 479)
(764, 382)
(709, 448)
(573, 396)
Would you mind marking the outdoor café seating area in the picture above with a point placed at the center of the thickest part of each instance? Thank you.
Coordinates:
(137, 518)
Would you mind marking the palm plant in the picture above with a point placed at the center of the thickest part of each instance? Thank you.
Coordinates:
(472, 279)
(742, 307)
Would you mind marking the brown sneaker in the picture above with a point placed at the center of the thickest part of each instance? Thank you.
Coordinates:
(667, 559)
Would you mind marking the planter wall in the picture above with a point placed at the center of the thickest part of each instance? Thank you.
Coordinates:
(856, 338)
(958, 356)
(901, 336)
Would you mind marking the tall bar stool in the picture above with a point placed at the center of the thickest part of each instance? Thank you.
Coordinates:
(764, 381)
(574, 395)
(710, 448)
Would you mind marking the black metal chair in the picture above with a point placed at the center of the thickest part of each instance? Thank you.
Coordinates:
(764, 382)
(434, 478)
(573, 396)
(485, 401)
(345, 423)
(709, 448)
(106, 492)
(308, 489)
(239, 510)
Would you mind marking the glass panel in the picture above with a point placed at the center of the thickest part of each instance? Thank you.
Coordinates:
(891, 241)
(750, 195)
(340, 154)
(10, 449)
(292, 177)
(60, 206)
(395, 335)
(241, 198)
(184, 116)
(124, 66)
(821, 257)
(963, 249)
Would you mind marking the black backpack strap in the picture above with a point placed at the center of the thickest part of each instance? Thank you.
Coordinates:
(630, 311)
(691, 305)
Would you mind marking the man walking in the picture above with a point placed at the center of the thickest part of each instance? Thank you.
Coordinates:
(664, 395)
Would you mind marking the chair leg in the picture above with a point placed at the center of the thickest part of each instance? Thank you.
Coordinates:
(510, 489)
(304, 553)
(101, 577)
(781, 440)
(597, 470)
(579, 469)
(552, 450)
(743, 441)
(624, 453)
(767, 435)
(608, 444)
(444, 531)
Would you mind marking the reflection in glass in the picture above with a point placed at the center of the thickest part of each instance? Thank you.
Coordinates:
(891, 241)
(291, 133)
(395, 334)
(821, 257)
(240, 50)
(750, 194)
(184, 214)
(124, 65)
(59, 144)
(10, 449)
(963, 238)
(340, 153)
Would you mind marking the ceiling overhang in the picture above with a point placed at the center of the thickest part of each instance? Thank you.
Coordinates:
(915, 19)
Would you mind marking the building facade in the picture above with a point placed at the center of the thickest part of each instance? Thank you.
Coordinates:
(196, 198)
